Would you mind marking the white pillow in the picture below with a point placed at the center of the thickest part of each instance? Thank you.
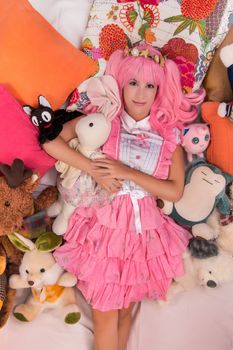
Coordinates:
(68, 17)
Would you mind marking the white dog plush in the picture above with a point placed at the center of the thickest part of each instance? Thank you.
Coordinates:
(209, 272)
(51, 287)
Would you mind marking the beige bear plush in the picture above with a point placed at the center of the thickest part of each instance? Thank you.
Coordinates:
(51, 287)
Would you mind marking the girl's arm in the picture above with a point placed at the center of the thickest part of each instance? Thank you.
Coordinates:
(60, 150)
(170, 189)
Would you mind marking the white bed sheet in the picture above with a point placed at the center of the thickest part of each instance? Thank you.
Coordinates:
(196, 320)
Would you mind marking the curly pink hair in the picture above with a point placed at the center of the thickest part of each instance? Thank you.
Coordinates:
(171, 106)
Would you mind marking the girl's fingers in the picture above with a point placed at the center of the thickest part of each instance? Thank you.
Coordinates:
(102, 162)
(101, 172)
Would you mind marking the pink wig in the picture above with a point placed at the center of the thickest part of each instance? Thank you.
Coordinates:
(171, 106)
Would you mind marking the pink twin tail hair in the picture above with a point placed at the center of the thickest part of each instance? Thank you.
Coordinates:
(171, 107)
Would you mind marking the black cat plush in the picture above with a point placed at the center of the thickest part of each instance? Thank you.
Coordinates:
(49, 122)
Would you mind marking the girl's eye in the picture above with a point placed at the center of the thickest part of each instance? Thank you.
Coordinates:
(46, 116)
(133, 83)
(42, 270)
(150, 86)
(26, 271)
(207, 137)
(195, 140)
(35, 121)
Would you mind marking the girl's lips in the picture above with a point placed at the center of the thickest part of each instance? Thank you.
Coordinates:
(139, 103)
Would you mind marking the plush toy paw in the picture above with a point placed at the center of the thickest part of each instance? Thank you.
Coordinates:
(67, 280)
(20, 317)
(60, 225)
(167, 207)
(54, 210)
(71, 314)
(16, 281)
(226, 55)
(174, 289)
(25, 313)
(72, 317)
(203, 230)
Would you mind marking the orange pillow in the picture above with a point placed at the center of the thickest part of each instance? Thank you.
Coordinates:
(220, 150)
(35, 59)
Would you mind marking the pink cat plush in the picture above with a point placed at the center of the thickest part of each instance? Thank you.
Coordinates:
(196, 138)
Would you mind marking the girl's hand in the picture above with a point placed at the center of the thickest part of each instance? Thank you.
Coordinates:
(110, 168)
(109, 184)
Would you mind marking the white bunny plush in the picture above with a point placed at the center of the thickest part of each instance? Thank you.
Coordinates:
(76, 187)
(51, 287)
(99, 98)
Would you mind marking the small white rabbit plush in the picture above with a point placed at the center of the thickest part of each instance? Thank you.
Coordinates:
(51, 287)
(76, 187)
(99, 98)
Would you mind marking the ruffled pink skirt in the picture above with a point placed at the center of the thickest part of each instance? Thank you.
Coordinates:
(115, 265)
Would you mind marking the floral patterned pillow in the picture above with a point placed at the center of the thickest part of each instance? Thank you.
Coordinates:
(187, 31)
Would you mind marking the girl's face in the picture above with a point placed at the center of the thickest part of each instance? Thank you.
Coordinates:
(138, 98)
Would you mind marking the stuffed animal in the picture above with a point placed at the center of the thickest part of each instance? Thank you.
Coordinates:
(196, 138)
(77, 188)
(226, 56)
(16, 203)
(51, 287)
(225, 110)
(49, 122)
(99, 98)
(204, 190)
(223, 225)
(10, 259)
(209, 272)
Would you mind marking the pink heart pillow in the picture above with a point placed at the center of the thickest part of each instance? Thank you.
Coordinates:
(19, 137)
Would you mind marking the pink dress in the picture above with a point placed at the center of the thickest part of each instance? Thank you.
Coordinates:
(127, 250)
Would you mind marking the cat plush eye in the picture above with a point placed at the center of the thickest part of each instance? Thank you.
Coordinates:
(195, 140)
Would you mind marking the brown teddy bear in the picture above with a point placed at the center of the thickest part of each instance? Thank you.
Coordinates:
(16, 203)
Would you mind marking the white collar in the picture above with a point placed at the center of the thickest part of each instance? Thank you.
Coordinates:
(132, 126)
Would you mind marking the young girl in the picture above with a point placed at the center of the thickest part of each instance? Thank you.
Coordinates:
(128, 250)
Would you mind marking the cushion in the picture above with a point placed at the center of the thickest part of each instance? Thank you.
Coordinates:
(186, 33)
(216, 82)
(220, 150)
(69, 18)
(35, 59)
(19, 137)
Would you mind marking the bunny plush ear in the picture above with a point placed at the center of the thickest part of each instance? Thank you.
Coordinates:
(21, 243)
(43, 102)
(28, 109)
(48, 241)
(103, 93)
